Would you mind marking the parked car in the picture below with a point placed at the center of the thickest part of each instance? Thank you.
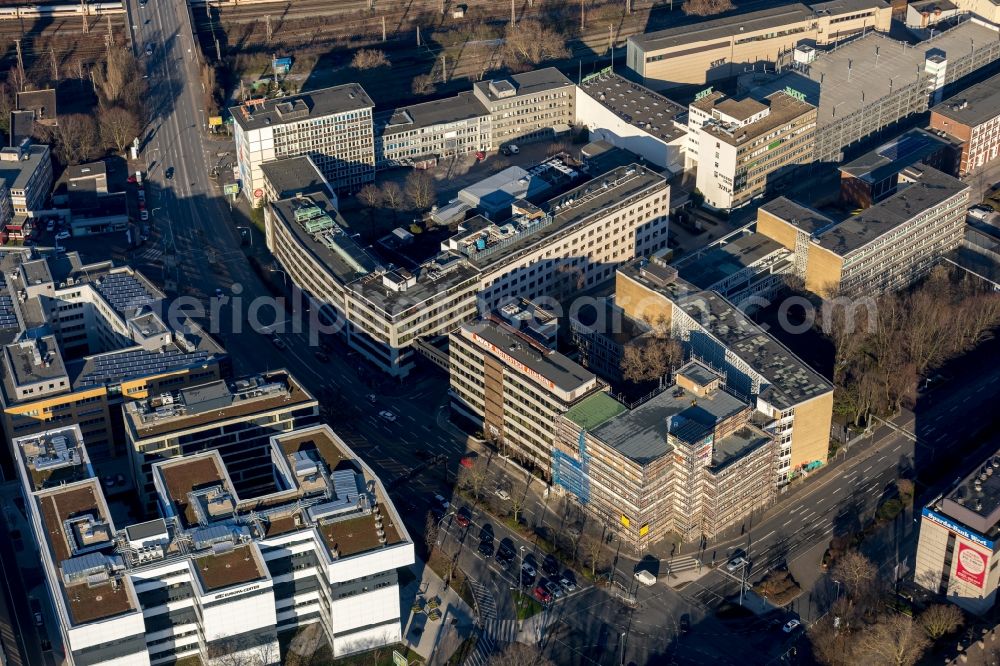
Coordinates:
(463, 517)
(502, 494)
(169, 173)
(144, 215)
(50, 226)
(442, 502)
(645, 577)
(387, 415)
(791, 626)
(486, 549)
(62, 235)
(527, 578)
(568, 581)
(279, 343)
(529, 570)
(550, 565)
(142, 194)
(486, 533)
(554, 589)
(542, 594)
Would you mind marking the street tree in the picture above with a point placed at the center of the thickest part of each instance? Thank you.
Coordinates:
(392, 196)
(706, 7)
(475, 478)
(369, 59)
(831, 638)
(895, 640)
(370, 196)
(940, 620)
(517, 501)
(421, 189)
(856, 572)
(593, 548)
(118, 127)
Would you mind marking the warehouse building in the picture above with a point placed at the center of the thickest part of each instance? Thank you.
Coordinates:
(715, 49)
(219, 574)
(333, 126)
(972, 118)
(687, 461)
(957, 552)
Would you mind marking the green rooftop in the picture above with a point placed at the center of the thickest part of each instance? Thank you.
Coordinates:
(595, 410)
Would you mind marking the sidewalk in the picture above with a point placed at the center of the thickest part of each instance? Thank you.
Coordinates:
(435, 641)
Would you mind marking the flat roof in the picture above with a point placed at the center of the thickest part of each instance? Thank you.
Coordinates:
(527, 83)
(190, 473)
(930, 189)
(801, 217)
(214, 402)
(18, 172)
(42, 102)
(636, 104)
(594, 410)
(723, 28)
(297, 108)
(54, 457)
(783, 109)
(217, 571)
(707, 268)
(975, 500)
(895, 155)
(973, 106)
(790, 381)
(567, 375)
(294, 175)
(463, 106)
(641, 433)
(736, 445)
(850, 77)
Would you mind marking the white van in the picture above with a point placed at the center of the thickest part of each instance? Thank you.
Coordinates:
(645, 577)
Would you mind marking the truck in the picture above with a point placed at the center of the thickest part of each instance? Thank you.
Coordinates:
(645, 577)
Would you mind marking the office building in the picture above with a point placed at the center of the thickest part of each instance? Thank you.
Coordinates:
(687, 461)
(925, 16)
(236, 418)
(292, 176)
(745, 146)
(632, 117)
(795, 402)
(531, 106)
(988, 10)
(219, 574)
(957, 551)
(333, 126)
(441, 128)
(599, 332)
(27, 171)
(513, 387)
(972, 117)
(883, 248)
(867, 85)
(722, 48)
(571, 243)
(873, 176)
(80, 340)
(379, 311)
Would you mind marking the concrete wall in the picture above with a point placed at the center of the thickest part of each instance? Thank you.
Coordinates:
(811, 430)
(823, 271)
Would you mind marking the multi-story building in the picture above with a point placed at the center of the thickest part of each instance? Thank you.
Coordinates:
(795, 402)
(514, 388)
(885, 247)
(573, 242)
(871, 83)
(27, 171)
(722, 48)
(292, 176)
(236, 418)
(83, 339)
(220, 574)
(745, 146)
(973, 118)
(527, 107)
(959, 544)
(333, 126)
(875, 175)
(687, 461)
(632, 117)
(442, 128)
(379, 311)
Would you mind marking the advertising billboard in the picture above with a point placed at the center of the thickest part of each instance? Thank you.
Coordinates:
(971, 565)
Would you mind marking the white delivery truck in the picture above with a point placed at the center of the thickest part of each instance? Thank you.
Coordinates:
(645, 577)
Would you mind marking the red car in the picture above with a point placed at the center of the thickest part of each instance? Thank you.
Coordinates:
(463, 518)
(131, 179)
(542, 594)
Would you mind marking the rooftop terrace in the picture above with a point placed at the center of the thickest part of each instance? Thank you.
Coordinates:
(219, 570)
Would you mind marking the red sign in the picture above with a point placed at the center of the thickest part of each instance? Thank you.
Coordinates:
(971, 565)
(258, 193)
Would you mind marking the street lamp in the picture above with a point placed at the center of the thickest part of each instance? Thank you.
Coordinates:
(837, 583)
(284, 275)
(623, 648)
(520, 574)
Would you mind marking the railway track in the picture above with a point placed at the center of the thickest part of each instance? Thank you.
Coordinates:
(63, 37)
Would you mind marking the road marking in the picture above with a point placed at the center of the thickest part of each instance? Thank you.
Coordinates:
(837, 490)
(795, 509)
(867, 468)
(767, 535)
(820, 501)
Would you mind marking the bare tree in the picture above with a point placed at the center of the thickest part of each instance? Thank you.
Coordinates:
(940, 620)
(856, 572)
(834, 645)
(531, 42)
(895, 641)
(421, 189)
(519, 654)
(474, 478)
(118, 127)
(76, 138)
(250, 651)
(392, 195)
(7, 103)
(517, 501)
(422, 84)
(370, 196)
(706, 7)
(369, 59)
(431, 531)
(650, 357)
(593, 548)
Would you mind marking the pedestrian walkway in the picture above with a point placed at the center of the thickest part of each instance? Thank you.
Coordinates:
(482, 653)
(434, 639)
(485, 603)
(502, 631)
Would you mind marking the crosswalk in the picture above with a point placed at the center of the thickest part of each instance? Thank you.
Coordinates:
(484, 600)
(492, 636)
(483, 651)
(502, 631)
(682, 563)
